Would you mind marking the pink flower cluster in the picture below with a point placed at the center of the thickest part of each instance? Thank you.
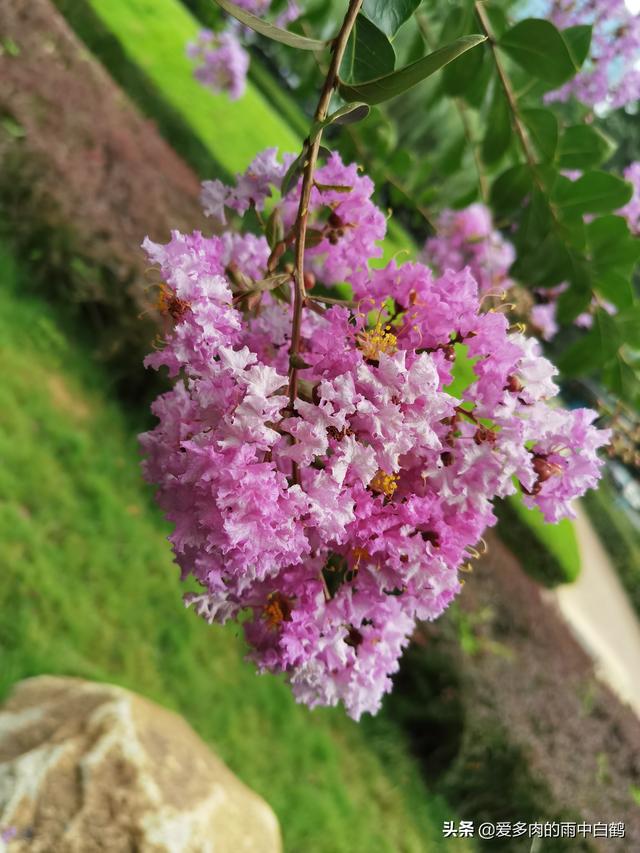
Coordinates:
(467, 237)
(327, 527)
(221, 62)
(611, 75)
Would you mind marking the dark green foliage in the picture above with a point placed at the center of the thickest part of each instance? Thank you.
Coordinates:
(498, 134)
(542, 125)
(593, 192)
(465, 747)
(538, 47)
(583, 146)
(386, 86)
(369, 53)
(389, 15)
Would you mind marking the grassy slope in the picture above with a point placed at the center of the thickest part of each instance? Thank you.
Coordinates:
(150, 39)
(154, 34)
(89, 590)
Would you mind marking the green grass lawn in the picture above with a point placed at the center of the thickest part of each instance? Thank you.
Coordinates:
(89, 589)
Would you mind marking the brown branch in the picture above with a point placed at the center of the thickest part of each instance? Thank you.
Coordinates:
(330, 83)
(506, 86)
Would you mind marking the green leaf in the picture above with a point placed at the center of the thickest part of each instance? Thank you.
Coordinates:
(313, 237)
(462, 73)
(615, 287)
(611, 245)
(476, 92)
(269, 30)
(369, 53)
(594, 192)
(454, 151)
(537, 46)
(9, 46)
(544, 264)
(12, 127)
(620, 378)
(509, 189)
(596, 349)
(349, 114)
(498, 134)
(628, 325)
(274, 229)
(462, 76)
(389, 85)
(536, 222)
(583, 146)
(583, 356)
(335, 188)
(578, 40)
(543, 129)
(497, 18)
(572, 302)
(389, 15)
(271, 282)
(294, 171)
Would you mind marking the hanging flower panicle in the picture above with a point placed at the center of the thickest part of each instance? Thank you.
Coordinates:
(338, 518)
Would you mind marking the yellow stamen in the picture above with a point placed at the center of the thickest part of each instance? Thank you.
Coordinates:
(277, 609)
(378, 340)
(384, 483)
(360, 554)
(170, 304)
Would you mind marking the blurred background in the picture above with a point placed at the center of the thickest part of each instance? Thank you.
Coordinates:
(520, 704)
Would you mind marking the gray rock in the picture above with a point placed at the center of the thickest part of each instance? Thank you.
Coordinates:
(90, 767)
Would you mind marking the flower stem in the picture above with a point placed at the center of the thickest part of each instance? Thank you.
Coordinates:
(330, 83)
(506, 87)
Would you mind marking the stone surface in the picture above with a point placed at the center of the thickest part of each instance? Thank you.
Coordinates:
(90, 767)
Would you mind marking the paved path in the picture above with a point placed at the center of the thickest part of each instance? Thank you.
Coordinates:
(597, 609)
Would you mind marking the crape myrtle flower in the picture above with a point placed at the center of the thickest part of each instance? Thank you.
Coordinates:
(610, 77)
(221, 62)
(327, 525)
(467, 237)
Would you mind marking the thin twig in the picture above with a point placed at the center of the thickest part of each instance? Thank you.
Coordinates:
(322, 109)
(331, 81)
(506, 86)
